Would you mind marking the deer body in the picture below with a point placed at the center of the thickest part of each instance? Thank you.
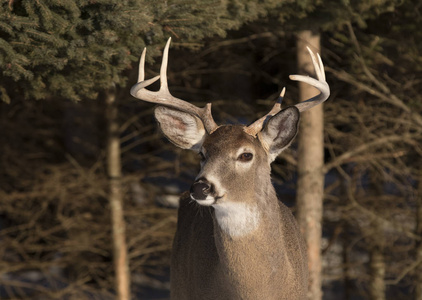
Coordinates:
(238, 249)
(217, 267)
(234, 239)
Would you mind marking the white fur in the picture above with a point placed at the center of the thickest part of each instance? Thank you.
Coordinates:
(236, 219)
(206, 202)
(194, 133)
(182, 129)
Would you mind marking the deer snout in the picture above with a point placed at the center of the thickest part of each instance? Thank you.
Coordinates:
(201, 189)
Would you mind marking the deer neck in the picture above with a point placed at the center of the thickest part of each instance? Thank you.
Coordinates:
(257, 218)
(247, 239)
(240, 217)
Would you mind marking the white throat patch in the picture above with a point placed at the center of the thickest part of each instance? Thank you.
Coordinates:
(237, 219)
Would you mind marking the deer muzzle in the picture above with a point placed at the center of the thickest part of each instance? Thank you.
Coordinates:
(201, 190)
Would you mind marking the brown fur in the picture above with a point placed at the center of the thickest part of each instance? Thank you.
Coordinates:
(242, 243)
(268, 263)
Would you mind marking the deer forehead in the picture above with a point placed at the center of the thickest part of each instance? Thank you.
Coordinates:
(231, 139)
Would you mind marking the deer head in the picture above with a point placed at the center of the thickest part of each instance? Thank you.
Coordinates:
(233, 157)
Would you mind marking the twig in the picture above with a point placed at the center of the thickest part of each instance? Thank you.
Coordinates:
(408, 269)
(359, 149)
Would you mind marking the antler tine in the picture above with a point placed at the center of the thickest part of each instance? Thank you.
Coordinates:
(163, 69)
(321, 67)
(141, 72)
(163, 96)
(320, 84)
(256, 126)
(141, 76)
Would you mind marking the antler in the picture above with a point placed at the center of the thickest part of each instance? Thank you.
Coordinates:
(320, 84)
(163, 96)
(256, 126)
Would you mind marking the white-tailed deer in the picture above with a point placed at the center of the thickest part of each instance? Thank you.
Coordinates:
(240, 242)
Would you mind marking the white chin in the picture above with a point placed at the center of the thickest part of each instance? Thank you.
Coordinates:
(206, 202)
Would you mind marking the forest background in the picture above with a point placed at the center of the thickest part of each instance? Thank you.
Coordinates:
(85, 175)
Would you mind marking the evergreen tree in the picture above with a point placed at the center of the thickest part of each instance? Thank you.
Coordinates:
(76, 48)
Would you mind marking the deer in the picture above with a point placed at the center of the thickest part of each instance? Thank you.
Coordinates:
(234, 238)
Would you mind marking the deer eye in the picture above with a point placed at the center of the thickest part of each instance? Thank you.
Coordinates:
(202, 156)
(245, 157)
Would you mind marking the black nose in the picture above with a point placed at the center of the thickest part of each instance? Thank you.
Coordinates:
(200, 189)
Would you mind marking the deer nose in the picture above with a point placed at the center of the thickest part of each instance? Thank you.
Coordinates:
(200, 189)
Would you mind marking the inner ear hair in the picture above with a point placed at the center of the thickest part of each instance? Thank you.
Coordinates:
(280, 130)
(181, 128)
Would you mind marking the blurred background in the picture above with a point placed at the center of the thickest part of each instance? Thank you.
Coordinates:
(86, 176)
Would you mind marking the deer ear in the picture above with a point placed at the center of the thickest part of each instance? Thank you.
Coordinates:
(182, 129)
(280, 131)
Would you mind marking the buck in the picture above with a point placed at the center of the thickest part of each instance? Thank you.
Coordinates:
(234, 238)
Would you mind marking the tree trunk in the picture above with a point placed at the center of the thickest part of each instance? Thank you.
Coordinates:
(377, 263)
(310, 187)
(377, 273)
(114, 173)
(347, 282)
(418, 279)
